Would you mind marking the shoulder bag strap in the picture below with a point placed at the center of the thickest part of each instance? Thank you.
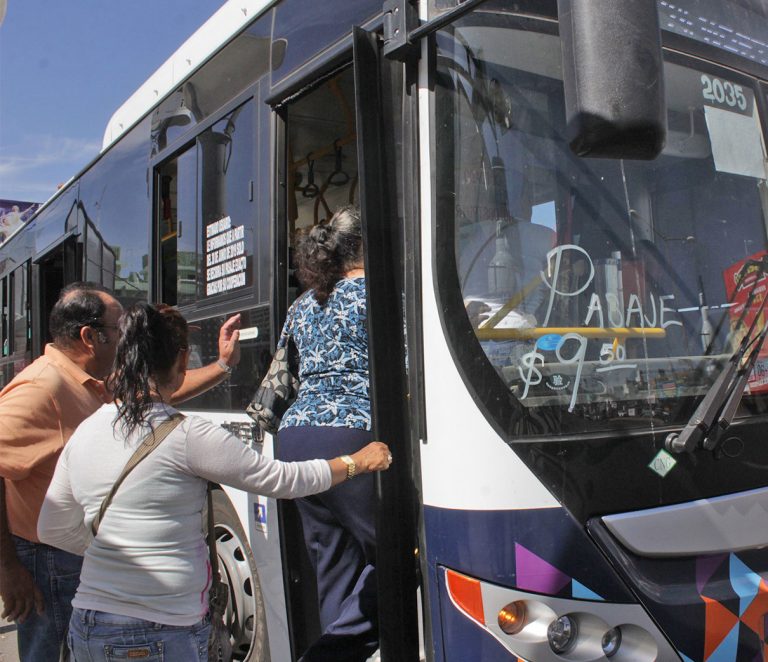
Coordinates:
(151, 441)
(214, 557)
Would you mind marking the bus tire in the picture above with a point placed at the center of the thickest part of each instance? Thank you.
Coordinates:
(246, 615)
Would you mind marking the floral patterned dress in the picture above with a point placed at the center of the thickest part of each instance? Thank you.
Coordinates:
(333, 358)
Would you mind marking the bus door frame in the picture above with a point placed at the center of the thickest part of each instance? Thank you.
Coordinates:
(397, 565)
(71, 272)
(302, 622)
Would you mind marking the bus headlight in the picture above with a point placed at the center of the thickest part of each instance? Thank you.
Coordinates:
(543, 627)
(512, 617)
(611, 642)
(562, 633)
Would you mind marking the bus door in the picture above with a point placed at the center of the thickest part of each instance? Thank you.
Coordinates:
(335, 149)
(383, 149)
(320, 171)
(50, 273)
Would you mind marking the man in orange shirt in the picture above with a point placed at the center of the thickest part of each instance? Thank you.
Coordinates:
(39, 410)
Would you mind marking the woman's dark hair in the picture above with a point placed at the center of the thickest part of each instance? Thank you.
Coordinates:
(78, 305)
(151, 338)
(328, 250)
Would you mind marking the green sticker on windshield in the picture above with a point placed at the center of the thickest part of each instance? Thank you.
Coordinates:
(663, 463)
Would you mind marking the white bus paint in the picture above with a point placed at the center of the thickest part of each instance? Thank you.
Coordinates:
(464, 463)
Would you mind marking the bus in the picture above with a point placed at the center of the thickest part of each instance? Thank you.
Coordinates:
(565, 225)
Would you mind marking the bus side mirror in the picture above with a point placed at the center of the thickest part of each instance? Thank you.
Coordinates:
(613, 78)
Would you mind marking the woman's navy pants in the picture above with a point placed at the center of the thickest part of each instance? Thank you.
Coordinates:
(340, 535)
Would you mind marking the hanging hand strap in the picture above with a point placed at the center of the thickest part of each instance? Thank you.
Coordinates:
(151, 441)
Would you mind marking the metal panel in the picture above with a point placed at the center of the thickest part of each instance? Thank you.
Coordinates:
(730, 523)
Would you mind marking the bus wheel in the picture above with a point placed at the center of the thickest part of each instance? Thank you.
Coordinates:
(245, 617)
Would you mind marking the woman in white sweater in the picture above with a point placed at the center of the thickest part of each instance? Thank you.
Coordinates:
(144, 584)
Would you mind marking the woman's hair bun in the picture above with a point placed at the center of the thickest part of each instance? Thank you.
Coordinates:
(328, 250)
(322, 236)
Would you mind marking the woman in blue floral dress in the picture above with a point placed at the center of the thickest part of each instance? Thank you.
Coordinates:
(331, 417)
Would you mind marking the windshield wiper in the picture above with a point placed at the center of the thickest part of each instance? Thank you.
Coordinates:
(728, 412)
(716, 411)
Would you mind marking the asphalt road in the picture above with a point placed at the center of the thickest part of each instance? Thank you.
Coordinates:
(7, 641)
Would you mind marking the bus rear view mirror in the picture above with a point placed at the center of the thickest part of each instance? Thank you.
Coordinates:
(612, 75)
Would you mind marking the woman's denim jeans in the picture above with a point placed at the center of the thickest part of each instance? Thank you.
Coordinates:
(57, 575)
(96, 636)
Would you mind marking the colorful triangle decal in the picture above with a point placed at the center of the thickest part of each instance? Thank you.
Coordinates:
(752, 616)
(578, 590)
(535, 574)
(745, 582)
(705, 568)
(718, 626)
(726, 651)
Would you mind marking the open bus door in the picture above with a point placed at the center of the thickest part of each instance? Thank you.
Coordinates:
(336, 146)
(50, 273)
(383, 234)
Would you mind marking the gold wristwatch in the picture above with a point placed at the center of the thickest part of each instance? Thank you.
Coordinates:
(351, 466)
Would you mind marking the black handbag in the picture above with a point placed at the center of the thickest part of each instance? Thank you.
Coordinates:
(278, 389)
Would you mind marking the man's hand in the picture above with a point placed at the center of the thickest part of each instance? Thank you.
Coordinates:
(19, 593)
(229, 341)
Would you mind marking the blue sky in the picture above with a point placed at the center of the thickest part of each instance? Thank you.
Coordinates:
(65, 67)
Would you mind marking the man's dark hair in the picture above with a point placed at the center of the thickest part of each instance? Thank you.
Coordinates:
(78, 305)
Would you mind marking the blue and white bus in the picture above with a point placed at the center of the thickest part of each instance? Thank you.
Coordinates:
(566, 217)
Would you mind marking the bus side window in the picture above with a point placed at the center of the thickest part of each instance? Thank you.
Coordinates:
(113, 205)
(204, 216)
(255, 355)
(177, 228)
(21, 321)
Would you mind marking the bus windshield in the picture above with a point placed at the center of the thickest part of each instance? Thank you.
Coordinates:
(611, 293)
